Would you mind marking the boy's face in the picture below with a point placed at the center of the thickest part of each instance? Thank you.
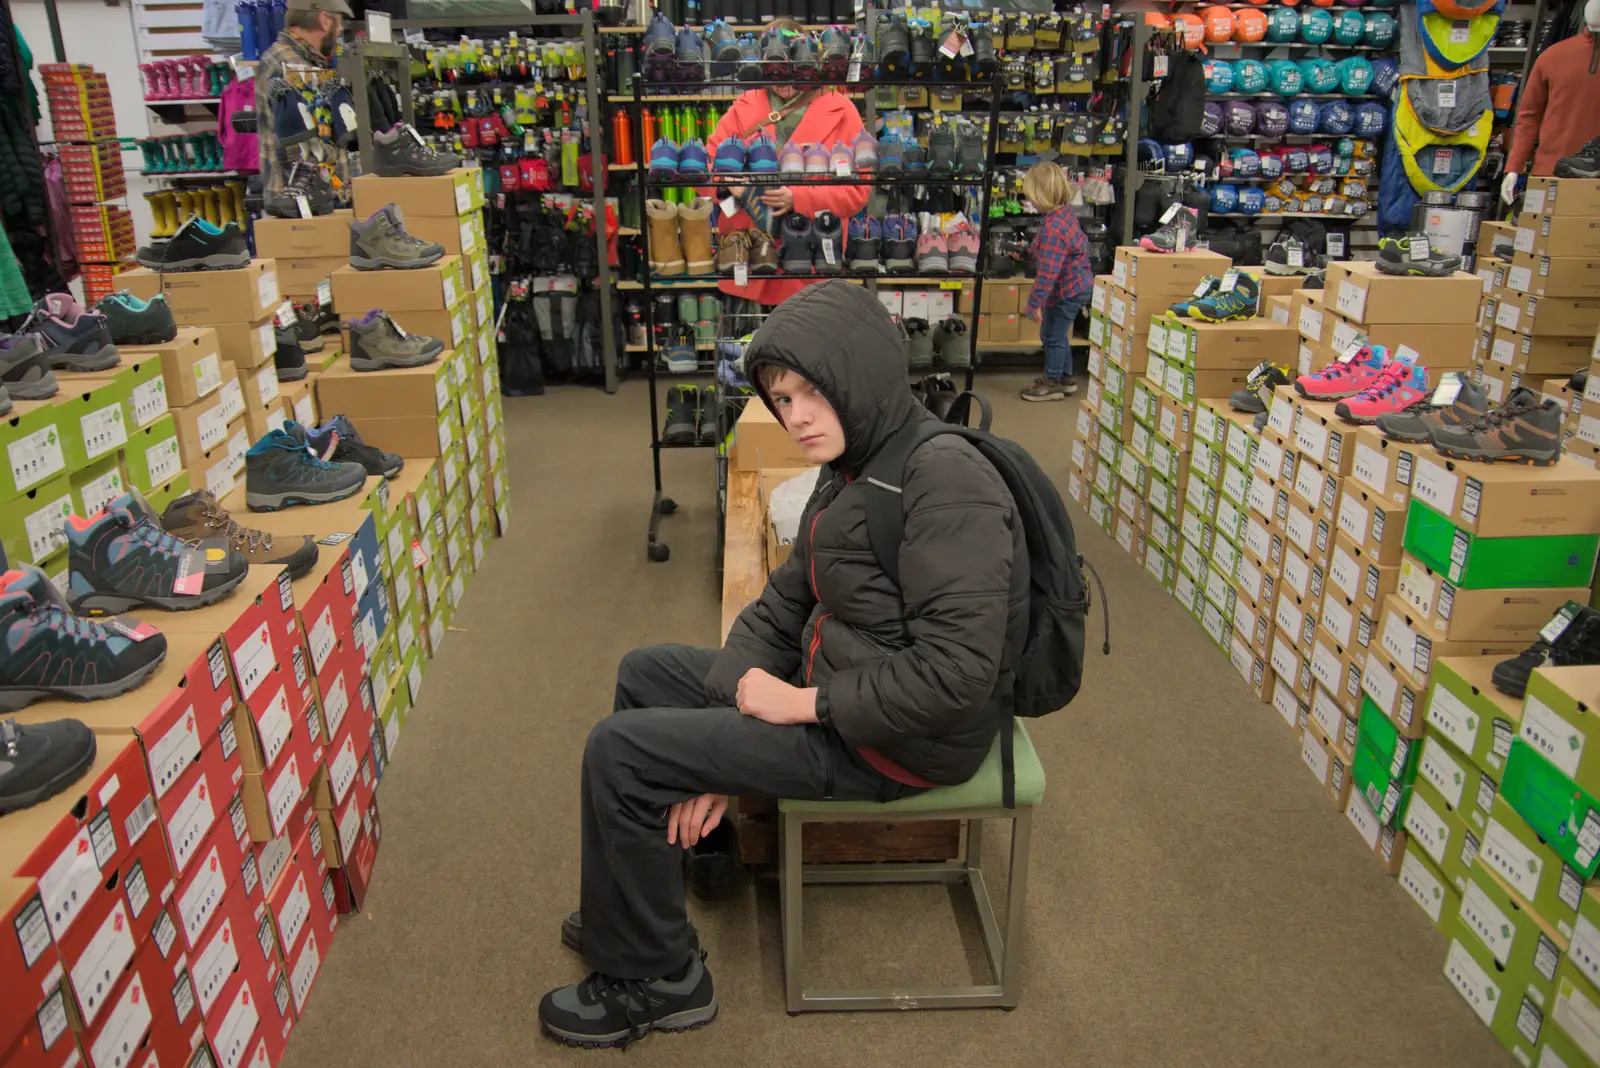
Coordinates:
(808, 417)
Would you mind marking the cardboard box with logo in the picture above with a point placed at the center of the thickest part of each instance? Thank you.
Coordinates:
(1360, 293)
(204, 298)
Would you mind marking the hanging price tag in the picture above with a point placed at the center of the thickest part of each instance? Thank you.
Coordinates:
(1229, 280)
(1420, 249)
(741, 274)
(1171, 211)
(953, 45)
(1461, 33)
(841, 168)
(1202, 289)
(325, 293)
(1445, 393)
(1441, 160)
(1297, 256)
(1336, 246)
(1353, 350)
(729, 204)
(303, 206)
(1405, 354)
(1159, 66)
(1447, 94)
(285, 314)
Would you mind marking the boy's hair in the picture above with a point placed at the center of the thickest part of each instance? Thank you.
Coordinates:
(1046, 185)
(768, 373)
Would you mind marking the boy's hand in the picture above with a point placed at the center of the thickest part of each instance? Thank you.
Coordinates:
(1036, 314)
(769, 698)
(691, 820)
(779, 200)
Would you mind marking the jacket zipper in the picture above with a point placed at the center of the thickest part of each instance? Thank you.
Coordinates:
(816, 631)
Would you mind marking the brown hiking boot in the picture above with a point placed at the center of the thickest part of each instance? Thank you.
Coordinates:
(1526, 429)
(666, 256)
(199, 515)
(763, 252)
(732, 250)
(1048, 389)
(694, 230)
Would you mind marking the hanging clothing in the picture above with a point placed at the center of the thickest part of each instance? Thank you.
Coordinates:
(240, 151)
(1560, 105)
(14, 296)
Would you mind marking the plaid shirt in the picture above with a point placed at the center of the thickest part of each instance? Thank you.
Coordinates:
(287, 50)
(1061, 254)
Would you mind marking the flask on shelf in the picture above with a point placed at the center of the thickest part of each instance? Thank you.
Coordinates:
(621, 138)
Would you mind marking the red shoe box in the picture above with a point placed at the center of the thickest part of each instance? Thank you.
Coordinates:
(359, 833)
(29, 1050)
(233, 1027)
(327, 597)
(149, 1015)
(340, 690)
(236, 937)
(29, 964)
(297, 890)
(342, 765)
(322, 922)
(223, 859)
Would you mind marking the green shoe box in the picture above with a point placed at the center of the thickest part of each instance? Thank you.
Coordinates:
(1110, 452)
(1160, 565)
(383, 667)
(33, 527)
(1556, 1049)
(1442, 833)
(1478, 563)
(1422, 881)
(1576, 1014)
(1214, 621)
(1192, 562)
(1220, 592)
(1202, 498)
(30, 439)
(1526, 862)
(1187, 593)
(1197, 529)
(1117, 384)
(392, 719)
(1160, 534)
(1385, 764)
(1514, 935)
(1146, 404)
(1560, 811)
(1225, 558)
(1100, 510)
(1230, 521)
(1205, 463)
(1099, 330)
(1466, 709)
(1139, 439)
(438, 627)
(1243, 439)
(1234, 483)
(1556, 721)
(1504, 1000)
(1105, 478)
(1211, 427)
(1168, 462)
(1133, 473)
(92, 419)
(1584, 951)
(142, 384)
(97, 485)
(1464, 786)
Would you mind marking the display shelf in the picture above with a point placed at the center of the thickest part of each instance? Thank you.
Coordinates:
(1300, 46)
(1362, 97)
(885, 278)
(189, 174)
(699, 346)
(622, 166)
(809, 181)
(627, 231)
(1285, 215)
(709, 283)
(650, 91)
(693, 98)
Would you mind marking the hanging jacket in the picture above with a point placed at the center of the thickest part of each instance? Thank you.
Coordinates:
(240, 151)
(905, 675)
(828, 118)
(1560, 105)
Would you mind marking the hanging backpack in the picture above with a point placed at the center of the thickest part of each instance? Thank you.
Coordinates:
(1050, 670)
(1179, 105)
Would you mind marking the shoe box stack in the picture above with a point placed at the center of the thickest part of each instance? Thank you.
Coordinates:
(91, 172)
(1003, 315)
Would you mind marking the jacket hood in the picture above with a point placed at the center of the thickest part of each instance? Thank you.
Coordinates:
(838, 337)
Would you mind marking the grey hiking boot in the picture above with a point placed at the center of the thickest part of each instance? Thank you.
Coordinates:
(1049, 389)
(401, 152)
(305, 181)
(5, 401)
(919, 344)
(25, 369)
(73, 339)
(682, 403)
(952, 343)
(382, 241)
(198, 246)
(281, 471)
(377, 343)
(606, 1011)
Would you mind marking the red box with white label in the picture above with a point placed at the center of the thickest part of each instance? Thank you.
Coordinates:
(295, 900)
(327, 598)
(359, 855)
(115, 921)
(149, 1012)
(237, 936)
(340, 686)
(271, 797)
(28, 971)
(234, 1024)
(200, 799)
(29, 1050)
(321, 922)
(342, 764)
(223, 859)
(72, 842)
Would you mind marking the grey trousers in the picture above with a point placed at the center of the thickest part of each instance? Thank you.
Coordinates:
(663, 745)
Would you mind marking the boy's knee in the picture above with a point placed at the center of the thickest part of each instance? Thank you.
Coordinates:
(601, 747)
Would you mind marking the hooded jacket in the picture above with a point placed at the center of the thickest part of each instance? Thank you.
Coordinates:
(1559, 107)
(911, 677)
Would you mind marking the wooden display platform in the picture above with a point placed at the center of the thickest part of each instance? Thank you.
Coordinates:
(744, 575)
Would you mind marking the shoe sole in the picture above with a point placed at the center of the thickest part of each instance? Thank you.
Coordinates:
(866, 267)
(102, 603)
(371, 263)
(933, 266)
(385, 363)
(1197, 312)
(765, 270)
(1489, 457)
(46, 790)
(39, 389)
(1285, 269)
(409, 172)
(1408, 439)
(964, 266)
(293, 374)
(1417, 270)
(687, 1020)
(1343, 412)
(1564, 170)
(1150, 246)
(1051, 397)
(14, 700)
(101, 359)
(899, 265)
(272, 502)
(221, 261)
(1298, 388)
(314, 345)
(390, 474)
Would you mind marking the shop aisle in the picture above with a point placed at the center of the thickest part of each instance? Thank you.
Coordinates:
(1195, 899)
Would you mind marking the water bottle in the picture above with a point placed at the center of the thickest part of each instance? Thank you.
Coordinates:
(249, 44)
(265, 34)
(278, 9)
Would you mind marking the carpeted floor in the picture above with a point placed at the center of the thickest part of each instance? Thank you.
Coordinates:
(1194, 899)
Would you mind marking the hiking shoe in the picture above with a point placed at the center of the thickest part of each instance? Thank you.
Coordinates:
(137, 322)
(942, 151)
(1207, 288)
(1257, 392)
(120, 558)
(338, 440)
(952, 344)
(197, 246)
(281, 471)
(1291, 256)
(705, 418)
(1176, 234)
(763, 252)
(962, 242)
(604, 1011)
(921, 48)
(761, 155)
(792, 160)
(970, 148)
(1571, 638)
(722, 43)
(775, 53)
(861, 255)
(664, 159)
(306, 330)
(816, 161)
(804, 58)
(289, 358)
(680, 426)
(1413, 254)
(660, 37)
(899, 242)
(732, 250)
(378, 343)
(25, 369)
(864, 153)
(48, 651)
(73, 339)
(1342, 378)
(833, 46)
(323, 315)
(690, 55)
(1468, 402)
(1236, 303)
(39, 760)
(679, 355)
(1315, 279)
(799, 243)
(1585, 164)
(400, 152)
(381, 241)
(730, 157)
(919, 343)
(916, 161)
(933, 253)
(692, 159)
(891, 154)
(1525, 429)
(894, 45)
(1399, 386)
(981, 37)
(828, 241)
(5, 402)
(750, 67)
(1049, 389)
(841, 160)
(306, 181)
(198, 517)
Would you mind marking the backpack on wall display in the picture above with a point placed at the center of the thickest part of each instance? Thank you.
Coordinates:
(1178, 107)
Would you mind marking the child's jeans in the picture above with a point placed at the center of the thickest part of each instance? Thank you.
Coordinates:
(1055, 330)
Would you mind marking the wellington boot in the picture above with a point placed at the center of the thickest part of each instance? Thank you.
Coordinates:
(236, 192)
(694, 226)
(187, 205)
(207, 208)
(160, 213)
(666, 254)
(225, 206)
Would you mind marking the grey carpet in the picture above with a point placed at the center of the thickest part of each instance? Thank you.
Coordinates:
(1194, 899)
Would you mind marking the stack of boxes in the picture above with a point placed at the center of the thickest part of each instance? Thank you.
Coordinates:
(1003, 320)
(91, 172)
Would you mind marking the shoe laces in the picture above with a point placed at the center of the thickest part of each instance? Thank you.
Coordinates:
(52, 614)
(213, 515)
(1499, 416)
(626, 994)
(307, 456)
(1389, 379)
(147, 533)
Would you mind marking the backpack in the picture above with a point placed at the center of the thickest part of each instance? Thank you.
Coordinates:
(1179, 105)
(1050, 670)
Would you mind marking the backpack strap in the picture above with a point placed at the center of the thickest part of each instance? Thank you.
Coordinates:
(961, 407)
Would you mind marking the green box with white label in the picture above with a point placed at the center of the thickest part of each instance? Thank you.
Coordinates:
(1561, 721)
(1442, 834)
(1466, 709)
(31, 450)
(1464, 786)
(1526, 861)
(392, 719)
(1187, 592)
(1385, 765)
(1422, 881)
(147, 392)
(33, 526)
(92, 419)
(1560, 811)
(1164, 497)
(1574, 1025)
(1514, 935)
(1504, 1000)
(97, 485)
(1471, 562)
(151, 455)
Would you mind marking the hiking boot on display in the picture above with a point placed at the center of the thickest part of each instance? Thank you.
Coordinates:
(750, 68)
(5, 402)
(730, 157)
(1413, 254)
(1525, 429)
(733, 249)
(841, 160)
(378, 343)
(805, 59)
(39, 760)
(692, 159)
(761, 155)
(961, 238)
(933, 252)
(137, 322)
(1570, 639)
(694, 236)
(604, 1011)
(1399, 386)
(306, 330)
(1584, 164)
(1343, 378)
(894, 45)
(402, 153)
(338, 440)
(690, 55)
(891, 155)
(664, 159)
(833, 47)
(775, 53)
(705, 417)
(679, 355)
(120, 559)
(919, 343)
(899, 243)
(1207, 288)
(1291, 257)
(952, 344)
(981, 38)
(816, 157)
(763, 252)
(916, 161)
(305, 180)
(198, 246)
(25, 369)
(1455, 401)
(864, 153)
(666, 254)
(73, 339)
(828, 241)
(1050, 389)
(47, 651)
(381, 241)
(1257, 392)
(941, 151)
(921, 48)
(660, 49)
(281, 471)
(970, 148)
(1175, 235)
(723, 44)
(798, 243)
(680, 427)
(861, 256)
(289, 357)
(1222, 306)
(198, 516)
(1315, 279)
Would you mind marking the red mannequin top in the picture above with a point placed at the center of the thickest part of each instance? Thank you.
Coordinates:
(1560, 105)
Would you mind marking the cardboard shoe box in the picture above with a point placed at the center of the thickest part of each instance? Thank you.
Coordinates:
(323, 236)
(1358, 291)
(1147, 273)
(1370, 523)
(1467, 710)
(1478, 563)
(409, 411)
(1546, 235)
(1469, 615)
(1550, 276)
(459, 192)
(438, 287)
(204, 298)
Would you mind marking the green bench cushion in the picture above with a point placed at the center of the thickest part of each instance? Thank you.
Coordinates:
(980, 791)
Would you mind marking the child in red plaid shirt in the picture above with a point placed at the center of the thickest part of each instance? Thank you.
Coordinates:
(1063, 280)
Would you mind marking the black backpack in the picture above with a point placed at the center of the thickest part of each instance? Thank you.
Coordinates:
(1050, 670)
(1179, 105)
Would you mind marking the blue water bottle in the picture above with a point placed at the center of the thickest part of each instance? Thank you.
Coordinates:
(249, 43)
(265, 34)
(278, 9)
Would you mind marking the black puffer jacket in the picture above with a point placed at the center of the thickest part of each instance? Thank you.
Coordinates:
(911, 680)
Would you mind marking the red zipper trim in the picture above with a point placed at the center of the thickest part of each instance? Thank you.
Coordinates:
(816, 643)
